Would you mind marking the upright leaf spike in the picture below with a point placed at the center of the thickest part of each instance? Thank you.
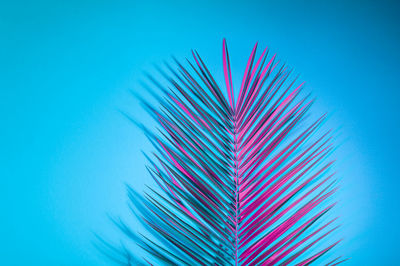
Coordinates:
(240, 182)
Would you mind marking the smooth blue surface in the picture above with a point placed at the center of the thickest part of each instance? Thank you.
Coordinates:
(65, 71)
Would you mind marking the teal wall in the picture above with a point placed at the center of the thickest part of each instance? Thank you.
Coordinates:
(66, 68)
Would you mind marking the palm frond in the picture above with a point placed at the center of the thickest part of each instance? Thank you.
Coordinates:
(243, 179)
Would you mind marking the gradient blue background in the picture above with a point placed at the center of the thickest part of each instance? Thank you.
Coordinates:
(65, 71)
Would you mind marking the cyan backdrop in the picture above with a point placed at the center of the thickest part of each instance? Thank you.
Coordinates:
(66, 68)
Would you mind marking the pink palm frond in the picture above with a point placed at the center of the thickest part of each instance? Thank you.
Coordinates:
(243, 179)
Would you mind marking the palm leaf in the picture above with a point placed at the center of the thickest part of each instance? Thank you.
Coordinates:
(243, 179)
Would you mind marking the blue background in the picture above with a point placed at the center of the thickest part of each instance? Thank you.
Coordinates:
(66, 68)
